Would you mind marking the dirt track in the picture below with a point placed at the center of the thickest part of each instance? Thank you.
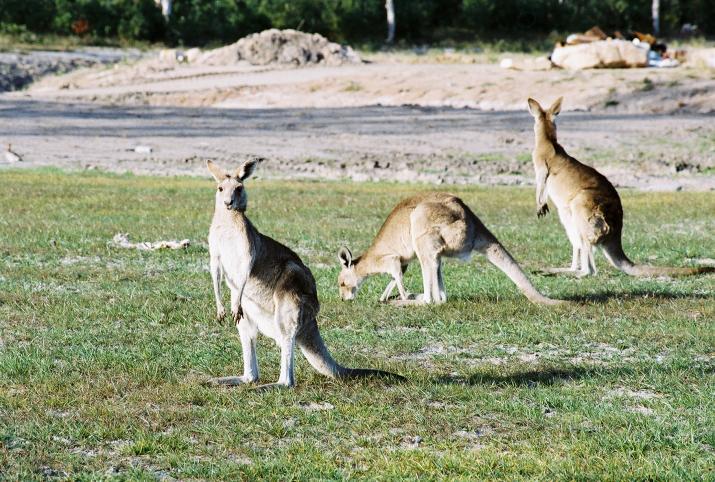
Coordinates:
(664, 152)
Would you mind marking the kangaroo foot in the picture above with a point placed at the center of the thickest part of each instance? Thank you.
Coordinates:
(229, 381)
(412, 302)
(555, 271)
(272, 386)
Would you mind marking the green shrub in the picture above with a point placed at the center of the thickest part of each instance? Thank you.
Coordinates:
(128, 19)
(35, 15)
(201, 22)
(198, 22)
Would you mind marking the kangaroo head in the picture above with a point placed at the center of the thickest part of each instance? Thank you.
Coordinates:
(545, 120)
(348, 279)
(230, 192)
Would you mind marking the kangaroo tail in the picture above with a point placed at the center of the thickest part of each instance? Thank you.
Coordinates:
(500, 257)
(613, 250)
(319, 357)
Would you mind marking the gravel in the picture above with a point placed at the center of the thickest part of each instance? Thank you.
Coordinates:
(20, 69)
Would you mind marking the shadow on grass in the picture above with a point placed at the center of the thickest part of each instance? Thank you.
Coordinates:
(637, 295)
(534, 378)
(599, 297)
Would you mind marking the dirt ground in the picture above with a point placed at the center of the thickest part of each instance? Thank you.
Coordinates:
(481, 86)
(387, 120)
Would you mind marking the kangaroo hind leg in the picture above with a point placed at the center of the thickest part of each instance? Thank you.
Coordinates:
(440, 283)
(248, 332)
(428, 249)
(286, 321)
(592, 228)
(571, 229)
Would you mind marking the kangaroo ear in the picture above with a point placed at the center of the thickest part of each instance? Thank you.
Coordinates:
(534, 107)
(247, 168)
(345, 257)
(556, 107)
(218, 173)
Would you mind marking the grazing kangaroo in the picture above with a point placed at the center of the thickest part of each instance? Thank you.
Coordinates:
(428, 226)
(589, 206)
(272, 291)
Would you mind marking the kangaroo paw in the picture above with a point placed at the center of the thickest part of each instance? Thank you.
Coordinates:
(237, 314)
(220, 314)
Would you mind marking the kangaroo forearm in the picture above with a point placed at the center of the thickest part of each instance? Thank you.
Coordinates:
(239, 284)
(541, 196)
(541, 188)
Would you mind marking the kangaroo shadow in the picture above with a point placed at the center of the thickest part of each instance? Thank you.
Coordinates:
(533, 378)
(605, 296)
(598, 297)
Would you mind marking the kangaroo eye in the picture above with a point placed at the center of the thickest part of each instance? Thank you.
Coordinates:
(220, 189)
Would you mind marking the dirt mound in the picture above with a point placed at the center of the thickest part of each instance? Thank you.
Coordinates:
(283, 47)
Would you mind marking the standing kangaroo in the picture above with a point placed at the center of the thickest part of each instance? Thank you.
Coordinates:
(589, 206)
(272, 291)
(428, 226)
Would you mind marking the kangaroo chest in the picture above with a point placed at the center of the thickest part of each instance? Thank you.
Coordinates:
(558, 189)
(233, 247)
(237, 256)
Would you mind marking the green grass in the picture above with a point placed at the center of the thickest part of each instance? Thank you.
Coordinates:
(103, 350)
(353, 87)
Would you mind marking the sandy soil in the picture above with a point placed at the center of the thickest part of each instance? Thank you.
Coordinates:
(479, 86)
(435, 123)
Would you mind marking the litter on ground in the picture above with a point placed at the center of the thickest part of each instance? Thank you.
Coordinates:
(121, 240)
(594, 49)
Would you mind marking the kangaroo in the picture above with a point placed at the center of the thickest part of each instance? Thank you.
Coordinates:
(272, 291)
(588, 205)
(428, 226)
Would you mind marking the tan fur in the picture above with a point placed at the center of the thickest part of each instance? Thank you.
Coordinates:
(272, 291)
(588, 205)
(428, 226)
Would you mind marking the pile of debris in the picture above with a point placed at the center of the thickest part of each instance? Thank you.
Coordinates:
(595, 49)
(271, 47)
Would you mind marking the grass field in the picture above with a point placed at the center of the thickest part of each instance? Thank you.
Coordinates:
(103, 350)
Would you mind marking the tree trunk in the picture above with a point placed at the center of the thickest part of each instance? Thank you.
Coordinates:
(390, 8)
(165, 7)
(656, 17)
